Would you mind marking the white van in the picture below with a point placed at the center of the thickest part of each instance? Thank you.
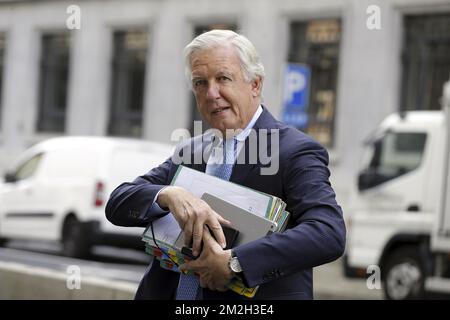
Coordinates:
(59, 188)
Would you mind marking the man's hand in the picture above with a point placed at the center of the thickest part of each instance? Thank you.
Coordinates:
(212, 265)
(192, 214)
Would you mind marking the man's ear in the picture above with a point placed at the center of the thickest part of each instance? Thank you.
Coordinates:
(256, 87)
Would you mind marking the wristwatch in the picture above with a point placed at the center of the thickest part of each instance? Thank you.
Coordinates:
(234, 264)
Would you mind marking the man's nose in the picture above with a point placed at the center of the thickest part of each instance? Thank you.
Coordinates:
(213, 91)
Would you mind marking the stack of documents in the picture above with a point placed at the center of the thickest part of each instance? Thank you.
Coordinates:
(164, 238)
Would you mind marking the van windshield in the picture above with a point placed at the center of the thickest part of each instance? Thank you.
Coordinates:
(28, 168)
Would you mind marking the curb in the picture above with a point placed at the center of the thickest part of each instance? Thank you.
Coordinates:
(19, 281)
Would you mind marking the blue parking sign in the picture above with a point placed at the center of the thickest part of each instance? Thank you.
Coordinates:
(296, 94)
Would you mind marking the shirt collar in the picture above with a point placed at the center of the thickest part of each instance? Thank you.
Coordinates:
(244, 134)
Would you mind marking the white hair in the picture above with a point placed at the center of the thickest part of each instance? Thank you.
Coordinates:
(251, 66)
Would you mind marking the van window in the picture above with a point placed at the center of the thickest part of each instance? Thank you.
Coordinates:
(27, 169)
(393, 155)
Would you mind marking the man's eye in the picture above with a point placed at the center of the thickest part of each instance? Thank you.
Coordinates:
(223, 78)
(199, 83)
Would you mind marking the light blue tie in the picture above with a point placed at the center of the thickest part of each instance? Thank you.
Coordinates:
(223, 170)
(189, 284)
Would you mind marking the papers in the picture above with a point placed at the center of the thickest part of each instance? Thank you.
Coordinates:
(166, 244)
(166, 230)
(198, 183)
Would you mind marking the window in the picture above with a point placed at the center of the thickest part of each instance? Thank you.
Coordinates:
(28, 169)
(2, 54)
(426, 60)
(128, 83)
(195, 114)
(54, 75)
(316, 45)
(398, 153)
(393, 155)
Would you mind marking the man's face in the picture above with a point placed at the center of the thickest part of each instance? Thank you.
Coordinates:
(224, 98)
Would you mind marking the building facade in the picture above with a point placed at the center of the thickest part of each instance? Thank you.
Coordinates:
(122, 73)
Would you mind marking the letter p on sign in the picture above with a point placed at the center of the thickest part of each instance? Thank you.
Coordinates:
(296, 80)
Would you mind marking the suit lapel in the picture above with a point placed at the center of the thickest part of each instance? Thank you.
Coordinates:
(200, 154)
(245, 163)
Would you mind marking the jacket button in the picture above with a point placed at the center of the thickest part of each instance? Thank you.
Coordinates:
(278, 273)
(133, 214)
(269, 275)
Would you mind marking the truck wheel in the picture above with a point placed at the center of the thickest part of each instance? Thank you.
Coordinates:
(74, 239)
(404, 275)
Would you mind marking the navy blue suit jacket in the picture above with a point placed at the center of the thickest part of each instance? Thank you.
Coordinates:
(281, 264)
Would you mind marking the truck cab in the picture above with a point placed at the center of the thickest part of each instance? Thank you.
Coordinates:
(393, 209)
(400, 211)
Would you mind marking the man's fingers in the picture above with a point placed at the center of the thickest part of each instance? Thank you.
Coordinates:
(192, 219)
(217, 231)
(188, 232)
(222, 289)
(222, 220)
(184, 267)
(203, 283)
(189, 266)
(208, 237)
(197, 237)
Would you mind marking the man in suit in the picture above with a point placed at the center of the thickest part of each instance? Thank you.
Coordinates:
(226, 75)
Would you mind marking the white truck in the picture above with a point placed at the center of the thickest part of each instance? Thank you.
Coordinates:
(400, 215)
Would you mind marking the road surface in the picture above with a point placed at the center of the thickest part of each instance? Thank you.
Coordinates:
(129, 266)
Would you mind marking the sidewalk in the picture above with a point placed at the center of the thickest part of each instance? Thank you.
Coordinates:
(19, 282)
(330, 284)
